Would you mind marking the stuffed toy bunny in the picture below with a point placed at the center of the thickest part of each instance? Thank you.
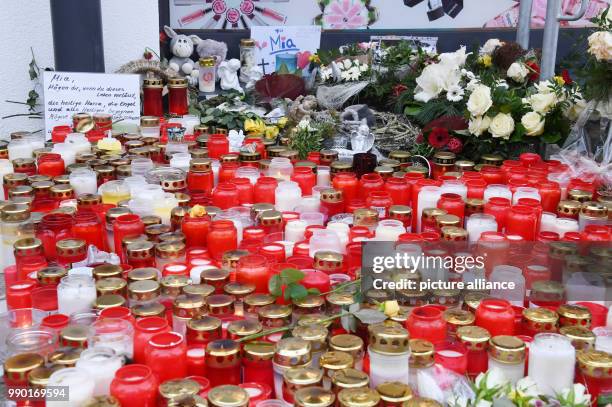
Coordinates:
(182, 47)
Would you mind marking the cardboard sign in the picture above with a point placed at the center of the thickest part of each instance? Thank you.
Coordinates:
(67, 93)
(279, 44)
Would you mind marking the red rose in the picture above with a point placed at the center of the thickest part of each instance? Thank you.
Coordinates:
(566, 77)
(438, 137)
(419, 139)
(454, 145)
(399, 89)
(534, 69)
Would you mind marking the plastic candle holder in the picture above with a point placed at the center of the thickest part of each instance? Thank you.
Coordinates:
(135, 385)
(166, 355)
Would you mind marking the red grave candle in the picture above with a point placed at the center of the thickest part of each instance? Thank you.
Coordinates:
(222, 237)
(496, 316)
(87, 226)
(452, 355)
(195, 229)
(135, 386)
(475, 188)
(223, 362)
(226, 196)
(218, 145)
(177, 97)
(498, 207)
(253, 269)
(550, 193)
(125, 226)
(380, 201)
(347, 183)
(305, 178)
(152, 97)
(399, 190)
(19, 294)
(316, 279)
(51, 164)
(522, 221)
(264, 190)
(453, 204)
(476, 340)
(427, 322)
(196, 365)
(493, 175)
(145, 329)
(166, 355)
(370, 182)
(227, 172)
(245, 190)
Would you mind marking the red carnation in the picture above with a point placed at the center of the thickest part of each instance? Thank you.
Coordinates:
(399, 89)
(566, 77)
(438, 137)
(451, 123)
(419, 139)
(454, 145)
(534, 69)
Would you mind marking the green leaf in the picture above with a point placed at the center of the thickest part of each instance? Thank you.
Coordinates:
(551, 138)
(412, 110)
(275, 286)
(207, 119)
(289, 276)
(314, 291)
(297, 291)
(505, 108)
(287, 294)
(33, 70)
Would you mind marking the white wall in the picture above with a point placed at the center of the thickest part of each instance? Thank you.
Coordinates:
(128, 27)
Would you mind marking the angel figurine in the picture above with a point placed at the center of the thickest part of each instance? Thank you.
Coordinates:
(361, 139)
(228, 73)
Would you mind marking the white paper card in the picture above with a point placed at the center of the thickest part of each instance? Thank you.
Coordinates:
(67, 93)
(271, 41)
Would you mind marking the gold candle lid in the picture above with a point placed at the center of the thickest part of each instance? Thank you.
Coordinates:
(349, 378)
(346, 343)
(340, 298)
(170, 250)
(203, 290)
(582, 338)
(258, 351)
(432, 213)
(331, 195)
(174, 388)
(465, 165)
(214, 276)
(447, 220)
(15, 212)
(595, 363)
(50, 275)
(328, 155)
(143, 273)
(396, 211)
(270, 218)
(394, 392)
(114, 213)
(491, 159)
(421, 402)
(28, 246)
(473, 337)
(453, 233)
(303, 376)
(200, 165)
(66, 357)
(15, 179)
(75, 333)
(400, 155)
(569, 207)
(228, 396)
(102, 401)
(39, 376)
(574, 312)
(336, 360)
(244, 327)
(143, 290)
(594, 210)
(444, 158)
(421, 353)
(275, 311)
(507, 349)
(365, 217)
(579, 195)
(106, 271)
(220, 304)
(259, 300)
(314, 397)
(361, 397)
(458, 317)
(151, 220)
(475, 204)
(149, 309)
(111, 285)
(230, 258)
(309, 302)
(384, 171)
(189, 306)
(314, 319)
(154, 231)
(315, 334)
(258, 208)
(177, 82)
(109, 301)
(140, 250)
(541, 319)
(389, 339)
(327, 260)
(23, 363)
(390, 162)
(239, 289)
(21, 190)
(292, 352)
(173, 285)
(71, 247)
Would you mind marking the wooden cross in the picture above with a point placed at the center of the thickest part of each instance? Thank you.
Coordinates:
(263, 65)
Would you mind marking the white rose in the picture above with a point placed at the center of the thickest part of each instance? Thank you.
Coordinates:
(542, 102)
(545, 87)
(575, 109)
(502, 126)
(490, 46)
(533, 123)
(517, 72)
(479, 125)
(527, 387)
(480, 100)
(600, 45)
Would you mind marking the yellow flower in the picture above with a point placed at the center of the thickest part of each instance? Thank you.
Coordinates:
(254, 127)
(314, 58)
(282, 122)
(197, 211)
(560, 81)
(391, 308)
(486, 60)
(271, 132)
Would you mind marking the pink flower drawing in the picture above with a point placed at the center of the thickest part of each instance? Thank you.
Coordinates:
(345, 14)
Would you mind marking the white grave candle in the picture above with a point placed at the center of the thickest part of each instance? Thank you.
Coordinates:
(287, 194)
(20, 148)
(525, 192)
(101, 363)
(84, 181)
(323, 176)
(478, 223)
(498, 190)
(80, 386)
(75, 293)
(294, 230)
(564, 225)
(389, 230)
(428, 198)
(548, 222)
(552, 360)
(454, 187)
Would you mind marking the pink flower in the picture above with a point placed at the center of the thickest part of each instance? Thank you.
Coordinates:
(454, 145)
(345, 14)
(303, 59)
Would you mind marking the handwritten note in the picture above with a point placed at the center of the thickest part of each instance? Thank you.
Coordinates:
(67, 93)
(271, 42)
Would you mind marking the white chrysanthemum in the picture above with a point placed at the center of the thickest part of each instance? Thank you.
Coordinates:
(455, 93)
